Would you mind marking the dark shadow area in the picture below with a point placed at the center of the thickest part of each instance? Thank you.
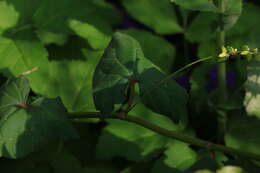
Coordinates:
(73, 49)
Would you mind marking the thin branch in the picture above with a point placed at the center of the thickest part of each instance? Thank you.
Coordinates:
(171, 134)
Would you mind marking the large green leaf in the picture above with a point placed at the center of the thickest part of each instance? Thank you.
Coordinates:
(243, 25)
(203, 23)
(30, 127)
(70, 76)
(159, 16)
(48, 37)
(162, 54)
(252, 86)
(24, 53)
(244, 31)
(243, 133)
(60, 12)
(179, 155)
(209, 24)
(63, 17)
(96, 38)
(169, 98)
(121, 61)
(93, 22)
(72, 81)
(8, 15)
(69, 79)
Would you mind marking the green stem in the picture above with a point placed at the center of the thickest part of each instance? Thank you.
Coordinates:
(172, 134)
(170, 76)
(222, 71)
(221, 77)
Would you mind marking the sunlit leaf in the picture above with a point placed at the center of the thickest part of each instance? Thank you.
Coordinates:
(8, 15)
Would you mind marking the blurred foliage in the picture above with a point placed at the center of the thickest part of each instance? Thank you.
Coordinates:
(63, 51)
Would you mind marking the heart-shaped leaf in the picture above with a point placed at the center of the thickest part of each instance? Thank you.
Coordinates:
(26, 127)
(13, 93)
(113, 72)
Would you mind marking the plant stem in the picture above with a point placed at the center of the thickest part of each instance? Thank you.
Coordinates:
(222, 71)
(171, 134)
(221, 77)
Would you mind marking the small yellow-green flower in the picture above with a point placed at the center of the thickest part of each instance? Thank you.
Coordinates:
(224, 53)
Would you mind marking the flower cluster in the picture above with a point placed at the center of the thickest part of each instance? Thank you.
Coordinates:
(230, 52)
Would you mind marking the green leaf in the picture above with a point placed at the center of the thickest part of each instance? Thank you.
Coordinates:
(8, 15)
(23, 54)
(252, 86)
(60, 12)
(14, 93)
(202, 5)
(209, 23)
(233, 9)
(28, 128)
(203, 23)
(178, 156)
(72, 81)
(119, 62)
(159, 16)
(96, 38)
(69, 79)
(244, 31)
(163, 54)
(168, 98)
(243, 133)
(243, 25)
(55, 17)
(48, 37)
(132, 141)
(230, 169)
